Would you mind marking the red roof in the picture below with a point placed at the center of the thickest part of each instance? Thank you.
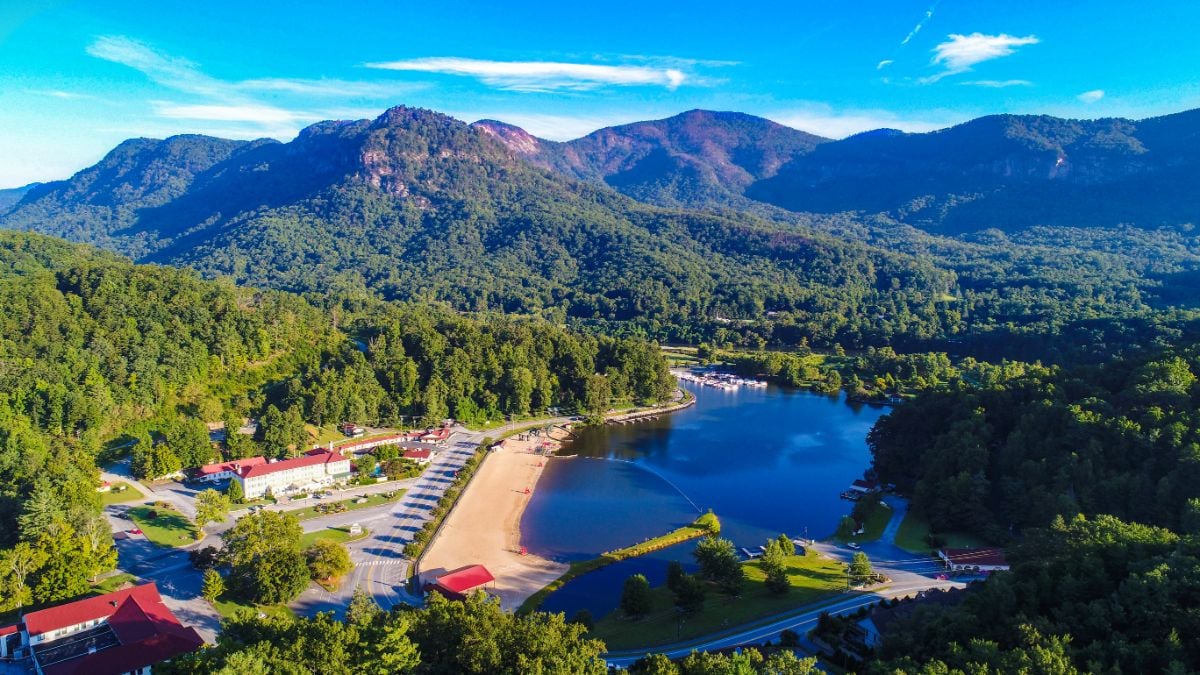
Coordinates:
(437, 434)
(8, 630)
(975, 556)
(232, 466)
(417, 454)
(87, 609)
(465, 579)
(125, 658)
(374, 442)
(313, 458)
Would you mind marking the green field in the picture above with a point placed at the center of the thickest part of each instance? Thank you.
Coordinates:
(323, 435)
(169, 529)
(340, 535)
(310, 512)
(227, 608)
(813, 577)
(877, 521)
(117, 495)
(110, 584)
(914, 528)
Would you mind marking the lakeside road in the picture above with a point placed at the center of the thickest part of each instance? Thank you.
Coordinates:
(485, 526)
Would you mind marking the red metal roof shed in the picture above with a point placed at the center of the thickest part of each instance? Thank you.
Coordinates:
(458, 583)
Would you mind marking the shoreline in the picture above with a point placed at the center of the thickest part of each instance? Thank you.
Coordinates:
(484, 527)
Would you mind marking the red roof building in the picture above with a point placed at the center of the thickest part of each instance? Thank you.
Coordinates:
(458, 584)
(312, 458)
(973, 559)
(419, 456)
(315, 469)
(120, 632)
(436, 435)
(223, 470)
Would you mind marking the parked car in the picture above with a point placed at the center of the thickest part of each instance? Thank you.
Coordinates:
(135, 531)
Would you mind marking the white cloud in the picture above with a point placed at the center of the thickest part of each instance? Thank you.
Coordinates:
(884, 64)
(530, 76)
(998, 84)
(920, 24)
(961, 52)
(1091, 96)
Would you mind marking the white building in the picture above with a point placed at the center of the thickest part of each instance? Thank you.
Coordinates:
(222, 471)
(316, 469)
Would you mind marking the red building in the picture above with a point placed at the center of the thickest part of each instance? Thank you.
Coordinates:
(126, 631)
(458, 584)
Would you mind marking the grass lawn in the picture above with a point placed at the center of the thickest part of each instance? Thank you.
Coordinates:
(813, 577)
(169, 529)
(914, 528)
(340, 535)
(323, 435)
(120, 493)
(110, 584)
(877, 521)
(228, 607)
(310, 512)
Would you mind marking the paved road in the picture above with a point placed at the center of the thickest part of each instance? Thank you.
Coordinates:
(380, 566)
(800, 622)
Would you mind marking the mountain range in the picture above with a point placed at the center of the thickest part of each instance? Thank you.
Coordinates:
(705, 218)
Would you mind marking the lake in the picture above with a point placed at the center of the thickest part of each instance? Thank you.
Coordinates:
(765, 461)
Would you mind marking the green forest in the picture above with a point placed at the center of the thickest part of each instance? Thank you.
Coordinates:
(103, 357)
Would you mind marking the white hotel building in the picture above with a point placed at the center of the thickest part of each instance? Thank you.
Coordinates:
(316, 469)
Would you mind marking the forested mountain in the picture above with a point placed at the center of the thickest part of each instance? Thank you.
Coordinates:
(698, 158)
(417, 206)
(1091, 474)
(97, 353)
(9, 197)
(1002, 171)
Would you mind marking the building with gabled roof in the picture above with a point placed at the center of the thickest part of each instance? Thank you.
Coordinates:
(126, 631)
(225, 470)
(316, 469)
(973, 559)
(458, 584)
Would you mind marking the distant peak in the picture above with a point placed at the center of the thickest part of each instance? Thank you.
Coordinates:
(513, 137)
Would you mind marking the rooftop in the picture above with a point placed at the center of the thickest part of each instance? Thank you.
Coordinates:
(974, 556)
(465, 579)
(312, 458)
(231, 466)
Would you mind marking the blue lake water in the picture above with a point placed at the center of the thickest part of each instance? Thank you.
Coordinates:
(765, 460)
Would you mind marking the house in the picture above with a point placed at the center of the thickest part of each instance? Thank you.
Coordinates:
(215, 473)
(418, 456)
(439, 435)
(864, 486)
(370, 444)
(126, 631)
(973, 559)
(458, 584)
(353, 430)
(315, 469)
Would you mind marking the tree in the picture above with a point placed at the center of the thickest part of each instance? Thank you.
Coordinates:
(17, 565)
(189, 439)
(234, 492)
(362, 609)
(635, 597)
(211, 507)
(860, 567)
(213, 586)
(584, 618)
(774, 565)
(675, 574)
(786, 545)
(689, 594)
(279, 575)
(283, 432)
(327, 559)
(719, 563)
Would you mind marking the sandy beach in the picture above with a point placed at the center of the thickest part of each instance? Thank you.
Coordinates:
(485, 527)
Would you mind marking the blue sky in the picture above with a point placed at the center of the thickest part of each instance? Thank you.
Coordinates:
(76, 78)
